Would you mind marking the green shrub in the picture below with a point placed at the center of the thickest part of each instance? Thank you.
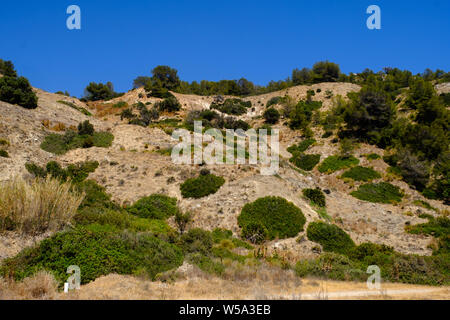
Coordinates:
(331, 266)
(99, 91)
(224, 234)
(271, 115)
(306, 162)
(155, 206)
(281, 218)
(425, 205)
(302, 146)
(335, 163)
(275, 100)
(255, 232)
(316, 196)
(86, 137)
(85, 128)
(359, 173)
(98, 251)
(103, 139)
(120, 104)
(436, 227)
(4, 153)
(206, 264)
(382, 192)
(232, 106)
(373, 156)
(170, 104)
(201, 186)
(18, 91)
(95, 195)
(76, 172)
(331, 237)
(196, 241)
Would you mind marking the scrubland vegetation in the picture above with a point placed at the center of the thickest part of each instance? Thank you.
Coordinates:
(85, 137)
(395, 110)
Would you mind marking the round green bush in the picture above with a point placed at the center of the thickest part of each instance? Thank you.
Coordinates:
(359, 173)
(155, 206)
(382, 192)
(316, 196)
(335, 163)
(271, 115)
(306, 162)
(201, 186)
(331, 237)
(281, 218)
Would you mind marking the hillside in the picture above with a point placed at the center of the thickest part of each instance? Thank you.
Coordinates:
(134, 167)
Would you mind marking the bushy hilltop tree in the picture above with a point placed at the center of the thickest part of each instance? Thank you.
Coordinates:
(14, 89)
(99, 91)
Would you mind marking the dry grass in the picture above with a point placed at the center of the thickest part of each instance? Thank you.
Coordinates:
(43, 205)
(42, 286)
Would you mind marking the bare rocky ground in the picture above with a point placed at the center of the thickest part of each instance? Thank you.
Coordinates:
(131, 169)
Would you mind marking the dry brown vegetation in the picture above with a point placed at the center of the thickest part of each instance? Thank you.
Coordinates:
(41, 286)
(36, 207)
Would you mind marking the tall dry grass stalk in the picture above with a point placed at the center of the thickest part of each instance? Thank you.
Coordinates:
(44, 205)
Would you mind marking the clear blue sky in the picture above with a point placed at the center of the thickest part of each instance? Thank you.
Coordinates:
(260, 40)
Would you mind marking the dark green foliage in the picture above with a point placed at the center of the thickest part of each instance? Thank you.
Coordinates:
(211, 119)
(255, 232)
(359, 173)
(182, 220)
(275, 100)
(316, 196)
(302, 146)
(146, 115)
(170, 104)
(7, 69)
(373, 156)
(437, 227)
(86, 137)
(4, 153)
(85, 128)
(232, 106)
(75, 172)
(99, 91)
(271, 116)
(335, 163)
(301, 115)
(97, 251)
(368, 113)
(382, 192)
(325, 71)
(166, 77)
(196, 241)
(18, 91)
(141, 81)
(281, 218)
(201, 186)
(224, 234)
(306, 162)
(95, 195)
(155, 206)
(331, 237)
